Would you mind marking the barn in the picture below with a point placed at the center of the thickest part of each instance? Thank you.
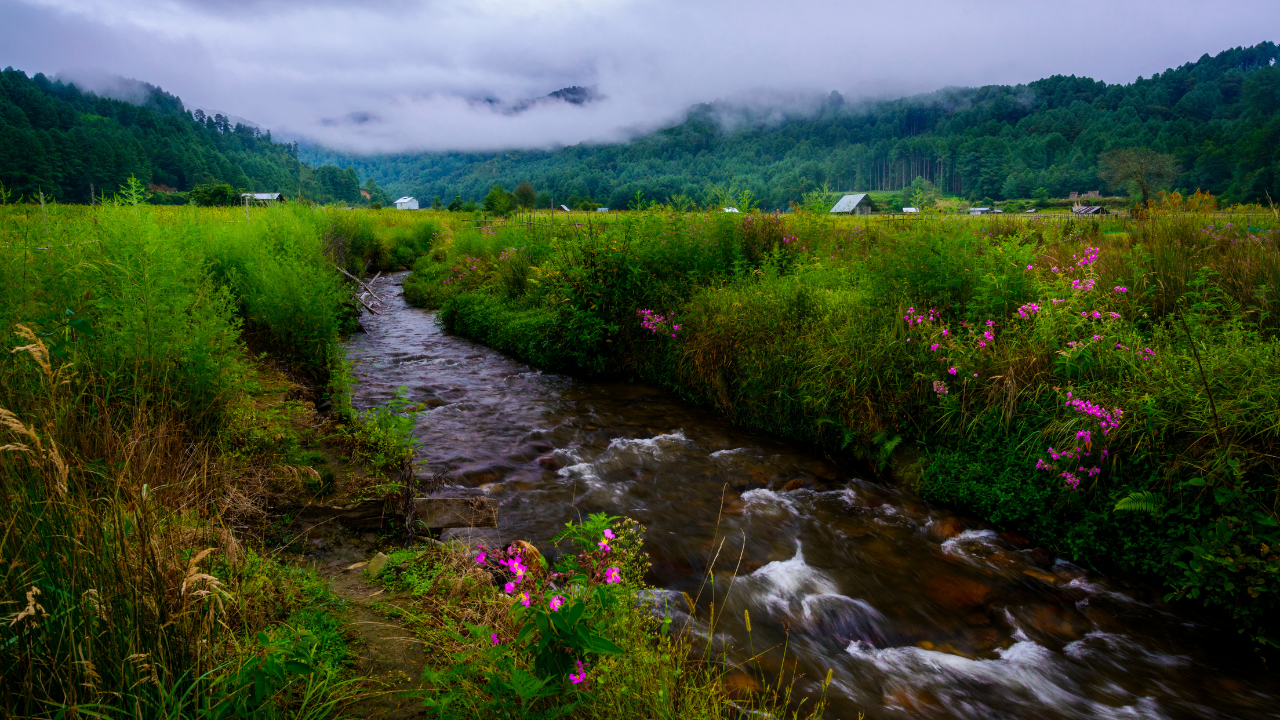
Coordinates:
(407, 203)
(858, 204)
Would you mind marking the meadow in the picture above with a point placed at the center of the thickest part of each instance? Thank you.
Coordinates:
(1110, 387)
(174, 389)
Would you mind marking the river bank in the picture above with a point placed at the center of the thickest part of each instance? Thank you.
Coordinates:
(1107, 388)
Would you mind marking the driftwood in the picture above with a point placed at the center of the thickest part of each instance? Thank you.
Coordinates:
(360, 282)
(431, 513)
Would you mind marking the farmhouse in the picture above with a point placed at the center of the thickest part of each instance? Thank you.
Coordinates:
(858, 204)
(407, 203)
(262, 198)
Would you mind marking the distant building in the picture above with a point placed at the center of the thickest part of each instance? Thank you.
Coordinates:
(910, 210)
(565, 208)
(1031, 211)
(859, 204)
(602, 209)
(263, 198)
(1087, 209)
(732, 209)
(979, 211)
(407, 203)
(1095, 193)
(1073, 196)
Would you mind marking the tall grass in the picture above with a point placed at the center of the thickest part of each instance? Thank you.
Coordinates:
(125, 594)
(831, 331)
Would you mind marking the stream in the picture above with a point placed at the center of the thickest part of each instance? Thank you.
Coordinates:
(919, 613)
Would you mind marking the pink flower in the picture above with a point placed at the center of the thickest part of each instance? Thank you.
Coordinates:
(1028, 267)
(509, 588)
(608, 534)
(524, 598)
(480, 558)
(494, 638)
(613, 575)
(604, 546)
(952, 371)
(555, 602)
(580, 676)
(1121, 289)
(933, 346)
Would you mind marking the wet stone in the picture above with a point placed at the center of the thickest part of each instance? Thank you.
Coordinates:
(945, 528)
(548, 462)
(958, 592)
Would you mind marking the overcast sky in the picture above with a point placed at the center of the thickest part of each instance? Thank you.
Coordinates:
(406, 75)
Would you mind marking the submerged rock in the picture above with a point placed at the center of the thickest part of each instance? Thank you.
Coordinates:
(958, 592)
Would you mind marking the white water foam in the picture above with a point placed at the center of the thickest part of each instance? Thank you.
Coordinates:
(622, 458)
(783, 584)
(1028, 674)
(972, 545)
(767, 501)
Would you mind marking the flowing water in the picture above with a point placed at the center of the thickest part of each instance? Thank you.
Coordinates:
(918, 612)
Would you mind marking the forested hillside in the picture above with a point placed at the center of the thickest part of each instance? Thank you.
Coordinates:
(67, 143)
(1217, 116)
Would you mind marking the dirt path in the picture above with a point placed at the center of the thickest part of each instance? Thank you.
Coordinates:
(388, 654)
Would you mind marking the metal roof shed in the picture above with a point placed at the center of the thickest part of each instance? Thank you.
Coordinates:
(858, 204)
(407, 202)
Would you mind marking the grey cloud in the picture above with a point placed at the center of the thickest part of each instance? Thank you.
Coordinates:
(404, 75)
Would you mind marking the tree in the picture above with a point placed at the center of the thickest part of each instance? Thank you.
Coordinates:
(376, 194)
(1142, 168)
(455, 205)
(499, 201)
(214, 195)
(525, 195)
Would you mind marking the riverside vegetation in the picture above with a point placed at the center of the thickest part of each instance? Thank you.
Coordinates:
(172, 374)
(1107, 386)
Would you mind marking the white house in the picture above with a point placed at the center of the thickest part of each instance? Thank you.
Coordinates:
(407, 203)
(565, 208)
(979, 211)
(732, 209)
(602, 209)
(910, 210)
(858, 204)
(264, 198)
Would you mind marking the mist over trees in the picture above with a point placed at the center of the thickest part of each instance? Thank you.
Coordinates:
(67, 143)
(1218, 118)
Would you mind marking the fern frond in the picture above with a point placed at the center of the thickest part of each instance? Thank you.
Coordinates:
(1144, 501)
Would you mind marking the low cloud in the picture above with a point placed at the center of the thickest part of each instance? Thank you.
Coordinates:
(445, 74)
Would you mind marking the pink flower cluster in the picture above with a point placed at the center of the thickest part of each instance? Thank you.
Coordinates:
(940, 387)
(1028, 310)
(914, 318)
(657, 324)
(1108, 420)
(509, 252)
(1083, 285)
(1089, 257)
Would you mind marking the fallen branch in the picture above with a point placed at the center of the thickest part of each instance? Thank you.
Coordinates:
(360, 282)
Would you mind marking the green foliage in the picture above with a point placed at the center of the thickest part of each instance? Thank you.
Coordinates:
(212, 195)
(499, 201)
(1143, 501)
